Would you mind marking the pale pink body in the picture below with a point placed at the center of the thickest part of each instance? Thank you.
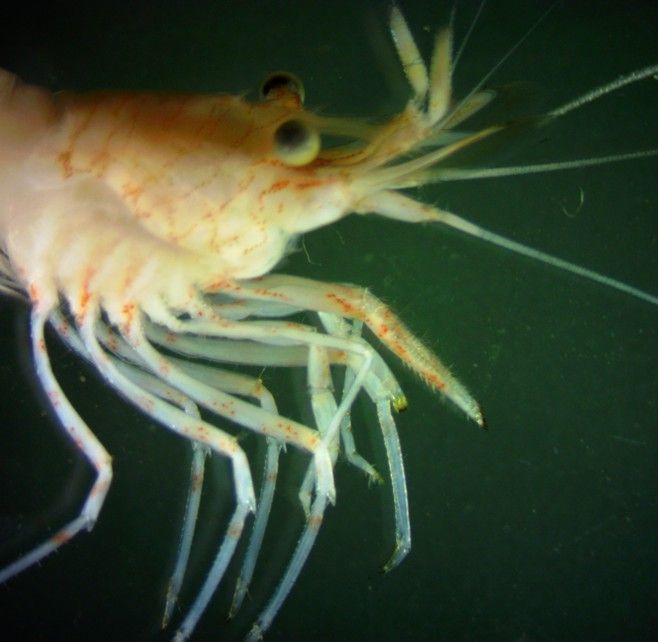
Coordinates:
(126, 197)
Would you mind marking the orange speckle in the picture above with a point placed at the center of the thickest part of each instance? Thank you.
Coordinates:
(61, 538)
(65, 161)
(313, 442)
(223, 285)
(100, 489)
(146, 404)
(85, 294)
(309, 184)
(315, 521)
(201, 431)
(277, 186)
(347, 308)
(434, 380)
(197, 481)
(271, 294)
(128, 311)
(132, 191)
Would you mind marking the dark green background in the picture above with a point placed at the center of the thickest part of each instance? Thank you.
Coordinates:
(542, 529)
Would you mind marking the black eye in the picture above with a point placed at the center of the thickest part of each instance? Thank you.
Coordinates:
(281, 83)
(295, 143)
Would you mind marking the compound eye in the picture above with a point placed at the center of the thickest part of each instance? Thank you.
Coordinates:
(295, 143)
(282, 84)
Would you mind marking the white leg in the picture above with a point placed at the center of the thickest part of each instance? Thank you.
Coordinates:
(194, 429)
(83, 438)
(380, 395)
(276, 333)
(148, 382)
(379, 384)
(242, 352)
(236, 410)
(338, 327)
(273, 332)
(144, 380)
(357, 303)
(228, 382)
(325, 412)
(313, 523)
(197, 472)
(261, 518)
(323, 404)
(250, 353)
(246, 386)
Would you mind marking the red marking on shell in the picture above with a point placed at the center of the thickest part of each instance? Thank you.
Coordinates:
(399, 349)
(53, 396)
(347, 308)
(65, 161)
(62, 538)
(313, 441)
(315, 521)
(128, 311)
(146, 404)
(234, 532)
(277, 186)
(99, 489)
(132, 191)
(222, 285)
(85, 295)
(272, 294)
(434, 380)
(197, 481)
(225, 407)
(201, 431)
(309, 184)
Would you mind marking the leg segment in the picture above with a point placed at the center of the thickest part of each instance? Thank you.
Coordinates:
(83, 438)
(356, 303)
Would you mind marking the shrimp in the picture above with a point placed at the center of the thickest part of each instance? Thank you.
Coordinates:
(144, 229)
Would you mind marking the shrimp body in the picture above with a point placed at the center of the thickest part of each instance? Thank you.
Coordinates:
(144, 228)
(189, 182)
